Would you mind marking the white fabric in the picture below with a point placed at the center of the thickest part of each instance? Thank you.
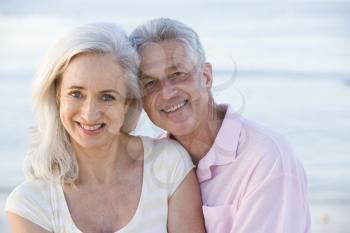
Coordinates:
(166, 164)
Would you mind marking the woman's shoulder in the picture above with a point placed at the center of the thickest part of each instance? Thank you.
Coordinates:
(30, 190)
(32, 186)
(168, 162)
(31, 200)
(163, 143)
(165, 147)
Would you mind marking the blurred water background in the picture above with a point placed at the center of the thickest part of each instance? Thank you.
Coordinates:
(284, 64)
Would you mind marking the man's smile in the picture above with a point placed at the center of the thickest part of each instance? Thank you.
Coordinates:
(174, 107)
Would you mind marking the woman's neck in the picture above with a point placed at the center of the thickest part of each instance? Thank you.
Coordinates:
(100, 165)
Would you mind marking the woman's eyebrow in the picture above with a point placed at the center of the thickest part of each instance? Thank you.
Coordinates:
(76, 87)
(109, 91)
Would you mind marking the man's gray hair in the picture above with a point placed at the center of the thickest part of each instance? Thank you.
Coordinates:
(50, 154)
(161, 29)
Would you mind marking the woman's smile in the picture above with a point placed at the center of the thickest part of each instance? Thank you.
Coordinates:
(91, 129)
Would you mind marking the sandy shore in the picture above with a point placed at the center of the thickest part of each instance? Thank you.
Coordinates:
(330, 217)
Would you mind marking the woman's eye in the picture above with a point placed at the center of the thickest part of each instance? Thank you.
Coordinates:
(107, 98)
(76, 94)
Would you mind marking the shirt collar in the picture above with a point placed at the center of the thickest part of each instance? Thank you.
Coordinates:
(224, 148)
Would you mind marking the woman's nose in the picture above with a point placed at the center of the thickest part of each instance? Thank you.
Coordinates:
(90, 111)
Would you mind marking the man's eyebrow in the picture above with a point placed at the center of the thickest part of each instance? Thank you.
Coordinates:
(175, 66)
(145, 76)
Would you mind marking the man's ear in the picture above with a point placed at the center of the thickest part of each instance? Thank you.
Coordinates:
(207, 75)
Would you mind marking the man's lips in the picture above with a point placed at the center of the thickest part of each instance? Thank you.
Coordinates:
(174, 107)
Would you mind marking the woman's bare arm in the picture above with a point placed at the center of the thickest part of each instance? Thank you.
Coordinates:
(185, 207)
(22, 225)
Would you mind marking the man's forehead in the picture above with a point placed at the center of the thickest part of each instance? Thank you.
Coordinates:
(166, 55)
(163, 50)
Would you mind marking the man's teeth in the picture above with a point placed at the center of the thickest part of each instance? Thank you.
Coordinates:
(89, 127)
(175, 107)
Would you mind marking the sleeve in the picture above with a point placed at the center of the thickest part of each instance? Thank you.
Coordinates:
(279, 204)
(30, 200)
(172, 165)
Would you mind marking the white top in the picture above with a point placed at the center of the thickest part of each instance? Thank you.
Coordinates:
(166, 164)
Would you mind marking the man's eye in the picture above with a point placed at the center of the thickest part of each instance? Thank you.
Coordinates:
(149, 84)
(177, 75)
(76, 94)
(107, 98)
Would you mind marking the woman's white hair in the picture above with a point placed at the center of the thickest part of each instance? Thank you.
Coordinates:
(162, 29)
(50, 155)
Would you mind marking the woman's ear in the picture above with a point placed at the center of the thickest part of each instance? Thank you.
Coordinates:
(57, 84)
(127, 105)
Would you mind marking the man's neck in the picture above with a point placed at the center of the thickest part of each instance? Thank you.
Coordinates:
(199, 142)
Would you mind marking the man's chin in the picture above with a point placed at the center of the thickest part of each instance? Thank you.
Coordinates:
(181, 128)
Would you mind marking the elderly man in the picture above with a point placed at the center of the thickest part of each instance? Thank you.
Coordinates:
(249, 178)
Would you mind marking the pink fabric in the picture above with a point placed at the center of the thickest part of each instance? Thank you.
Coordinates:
(251, 182)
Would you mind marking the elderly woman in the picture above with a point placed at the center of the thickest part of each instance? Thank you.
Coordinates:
(84, 172)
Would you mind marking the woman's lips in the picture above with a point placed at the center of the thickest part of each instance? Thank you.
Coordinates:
(91, 129)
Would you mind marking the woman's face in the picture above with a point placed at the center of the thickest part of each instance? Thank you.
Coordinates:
(92, 100)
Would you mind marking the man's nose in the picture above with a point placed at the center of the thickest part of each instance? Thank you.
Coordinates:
(167, 89)
(90, 111)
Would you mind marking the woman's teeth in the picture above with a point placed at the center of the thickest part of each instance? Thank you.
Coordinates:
(91, 127)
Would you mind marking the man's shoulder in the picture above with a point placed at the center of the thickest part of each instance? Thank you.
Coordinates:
(252, 137)
(267, 148)
(258, 136)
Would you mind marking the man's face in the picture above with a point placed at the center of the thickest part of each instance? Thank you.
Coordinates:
(176, 92)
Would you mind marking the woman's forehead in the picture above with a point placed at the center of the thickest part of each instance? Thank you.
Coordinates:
(93, 70)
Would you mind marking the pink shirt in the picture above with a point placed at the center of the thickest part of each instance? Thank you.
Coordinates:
(251, 182)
